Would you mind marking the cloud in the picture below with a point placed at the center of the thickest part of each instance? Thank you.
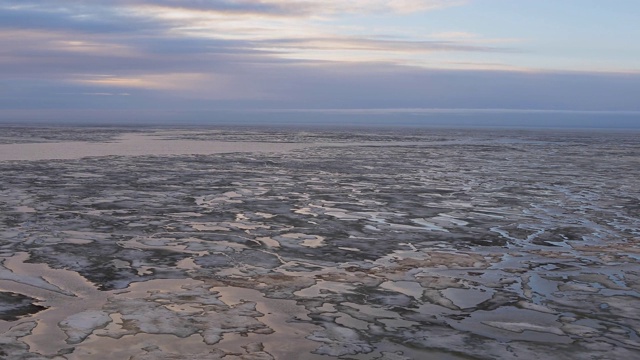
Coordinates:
(263, 7)
(162, 81)
(106, 94)
(277, 54)
(73, 16)
(353, 43)
(384, 6)
(138, 39)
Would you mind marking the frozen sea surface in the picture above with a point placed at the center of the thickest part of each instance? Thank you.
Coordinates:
(317, 244)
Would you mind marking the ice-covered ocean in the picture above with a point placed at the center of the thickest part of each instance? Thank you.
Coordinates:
(258, 243)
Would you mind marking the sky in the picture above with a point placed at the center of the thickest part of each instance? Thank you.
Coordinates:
(181, 61)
